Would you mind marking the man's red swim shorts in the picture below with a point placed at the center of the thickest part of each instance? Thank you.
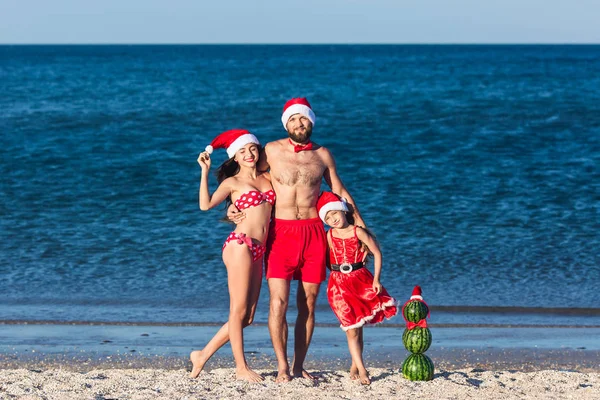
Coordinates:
(296, 249)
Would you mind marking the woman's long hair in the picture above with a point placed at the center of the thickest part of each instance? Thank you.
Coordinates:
(226, 170)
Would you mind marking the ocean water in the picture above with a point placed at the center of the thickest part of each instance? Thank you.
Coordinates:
(477, 167)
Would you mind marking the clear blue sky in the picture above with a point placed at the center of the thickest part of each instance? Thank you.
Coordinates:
(293, 21)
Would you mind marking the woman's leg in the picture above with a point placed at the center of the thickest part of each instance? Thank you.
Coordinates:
(354, 346)
(255, 285)
(200, 357)
(238, 260)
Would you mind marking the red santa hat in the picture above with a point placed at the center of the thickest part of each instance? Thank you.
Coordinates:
(232, 140)
(329, 201)
(416, 293)
(297, 106)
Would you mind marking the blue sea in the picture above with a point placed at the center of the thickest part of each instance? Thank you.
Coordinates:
(477, 167)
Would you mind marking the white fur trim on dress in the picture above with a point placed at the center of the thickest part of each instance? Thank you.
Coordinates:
(332, 206)
(298, 109)
(365, 320)
(241, 142)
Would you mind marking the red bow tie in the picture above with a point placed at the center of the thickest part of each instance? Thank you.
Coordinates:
(301, 147)
(411, 325)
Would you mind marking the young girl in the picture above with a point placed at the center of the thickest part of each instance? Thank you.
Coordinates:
(355, 295)
(250, 190)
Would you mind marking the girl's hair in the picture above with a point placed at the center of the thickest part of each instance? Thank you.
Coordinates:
(350, 219)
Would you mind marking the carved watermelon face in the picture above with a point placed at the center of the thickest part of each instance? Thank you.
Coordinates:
(415, 310)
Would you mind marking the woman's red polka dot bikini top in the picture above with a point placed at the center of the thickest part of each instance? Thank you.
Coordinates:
(254, 198)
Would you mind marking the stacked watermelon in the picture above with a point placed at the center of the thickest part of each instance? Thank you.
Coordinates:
(416, 339)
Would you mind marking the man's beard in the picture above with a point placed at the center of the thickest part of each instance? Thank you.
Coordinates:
(303, 137)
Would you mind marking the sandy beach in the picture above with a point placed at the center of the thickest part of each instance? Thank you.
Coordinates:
(220, 384)
(146, 362)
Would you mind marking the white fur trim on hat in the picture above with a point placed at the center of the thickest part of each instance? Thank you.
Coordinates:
(416, 297)
(241, 142)
(297, 109)
(209, 149)
(332, 206)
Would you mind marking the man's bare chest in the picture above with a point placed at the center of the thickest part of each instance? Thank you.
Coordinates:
(298, 174)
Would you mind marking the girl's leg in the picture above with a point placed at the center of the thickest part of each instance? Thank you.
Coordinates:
(238, 261)
(364, 374)
(354, 346)
(354, 375)
(353, 368)
(360, 340)
(353, 371)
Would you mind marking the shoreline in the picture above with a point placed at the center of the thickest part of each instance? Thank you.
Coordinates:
(522, 360)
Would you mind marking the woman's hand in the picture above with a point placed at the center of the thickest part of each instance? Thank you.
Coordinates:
(204, 160)
(377, 286)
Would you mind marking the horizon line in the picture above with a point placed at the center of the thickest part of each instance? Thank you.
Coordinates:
(308, 44)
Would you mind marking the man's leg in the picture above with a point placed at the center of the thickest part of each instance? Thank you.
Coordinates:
(279, 290)
(305, 325)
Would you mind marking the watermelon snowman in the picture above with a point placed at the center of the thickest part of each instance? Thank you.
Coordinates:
(416, 338)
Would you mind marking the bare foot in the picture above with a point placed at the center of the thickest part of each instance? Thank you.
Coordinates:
(246, 374)
(364, 377)
(283, 376)
(353, 372)
(304, 374)
(198, 361)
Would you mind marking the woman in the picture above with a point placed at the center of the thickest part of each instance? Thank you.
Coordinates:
(250, 190)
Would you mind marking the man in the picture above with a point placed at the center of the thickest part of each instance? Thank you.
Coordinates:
(296, 247)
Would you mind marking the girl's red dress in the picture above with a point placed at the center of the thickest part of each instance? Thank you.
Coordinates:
(351, 296)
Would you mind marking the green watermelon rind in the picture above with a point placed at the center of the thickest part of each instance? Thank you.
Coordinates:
(415, 310)
(418, 367)
(417, 340)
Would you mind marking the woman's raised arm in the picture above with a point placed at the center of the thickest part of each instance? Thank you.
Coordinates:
(207, 201)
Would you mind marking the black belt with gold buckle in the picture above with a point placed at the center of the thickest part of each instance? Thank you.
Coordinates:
(346, 268)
